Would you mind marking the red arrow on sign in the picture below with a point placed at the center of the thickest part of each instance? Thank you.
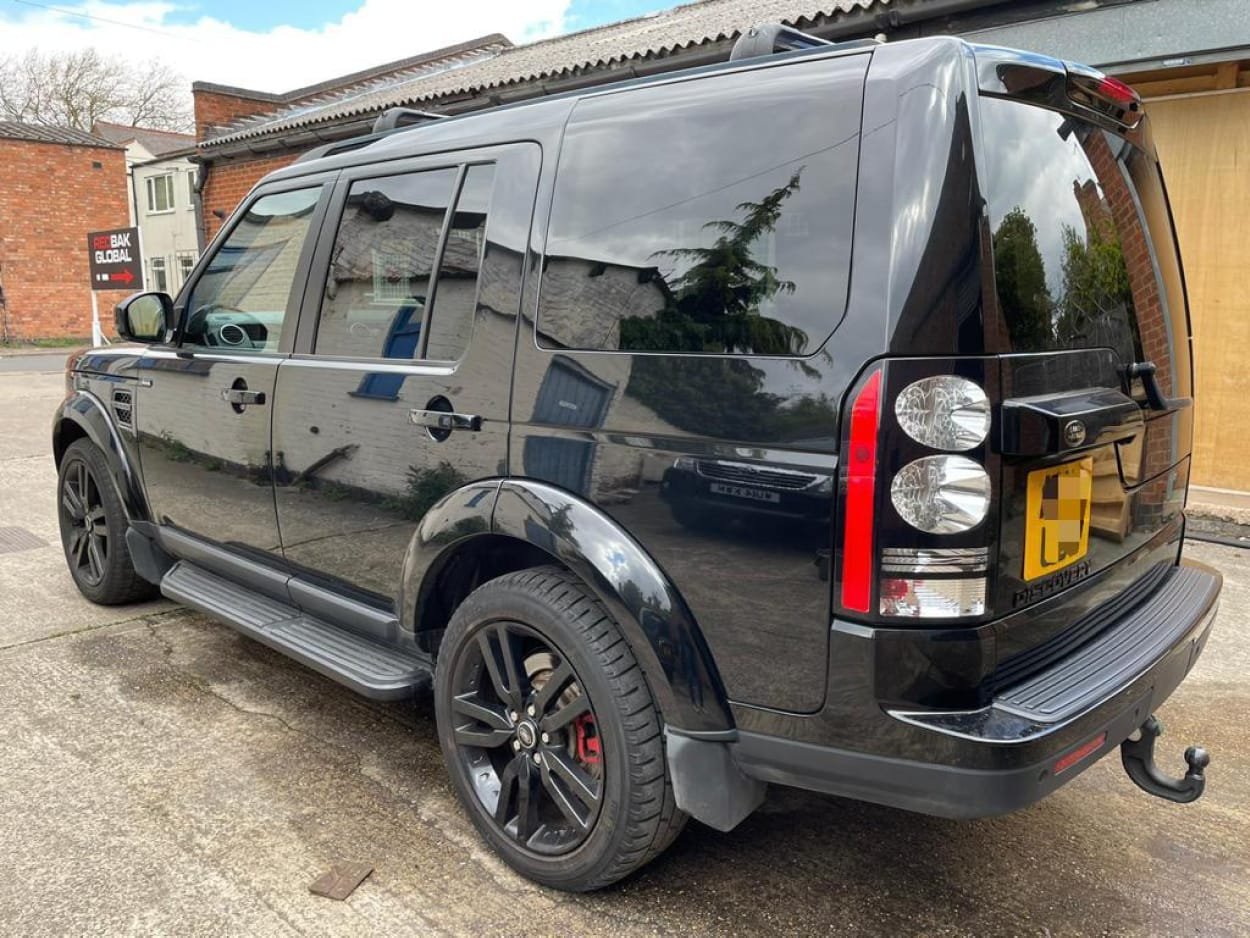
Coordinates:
(125, 276)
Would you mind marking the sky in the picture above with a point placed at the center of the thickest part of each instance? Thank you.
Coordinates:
(279, 45)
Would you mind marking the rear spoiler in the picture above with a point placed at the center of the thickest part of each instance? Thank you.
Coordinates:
(1062, 86)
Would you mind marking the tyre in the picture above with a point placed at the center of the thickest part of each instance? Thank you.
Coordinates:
(550, 733)
(93, 529)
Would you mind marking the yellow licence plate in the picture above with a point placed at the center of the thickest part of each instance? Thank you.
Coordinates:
(1056, 528)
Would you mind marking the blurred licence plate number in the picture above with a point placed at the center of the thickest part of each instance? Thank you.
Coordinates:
(1056, 531)
(741, 491)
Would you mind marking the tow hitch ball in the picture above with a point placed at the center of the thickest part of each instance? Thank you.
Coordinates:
(1138, 756)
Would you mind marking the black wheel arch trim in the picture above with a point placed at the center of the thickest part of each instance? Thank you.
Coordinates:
(88, 413)
(656, 621)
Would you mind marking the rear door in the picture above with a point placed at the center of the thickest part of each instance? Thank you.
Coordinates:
(412, 316)
(205, 402)
(1089, 298)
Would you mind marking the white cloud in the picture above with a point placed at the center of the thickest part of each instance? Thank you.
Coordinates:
(282, 58)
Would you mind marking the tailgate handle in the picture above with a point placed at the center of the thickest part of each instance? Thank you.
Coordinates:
(1154, 394)
(1048, 425)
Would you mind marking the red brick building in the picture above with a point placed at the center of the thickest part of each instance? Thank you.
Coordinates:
(56, 184)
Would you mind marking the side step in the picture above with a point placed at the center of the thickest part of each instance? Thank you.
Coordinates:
(367, 667)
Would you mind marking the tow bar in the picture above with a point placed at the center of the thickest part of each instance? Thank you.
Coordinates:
(1138, 756)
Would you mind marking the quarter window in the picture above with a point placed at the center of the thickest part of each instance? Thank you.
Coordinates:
(160, 193)
(711, 215)
(240, 300)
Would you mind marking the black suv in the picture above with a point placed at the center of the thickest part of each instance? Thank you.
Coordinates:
(818, 418)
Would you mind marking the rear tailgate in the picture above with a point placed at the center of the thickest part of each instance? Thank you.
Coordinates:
(1088, 293)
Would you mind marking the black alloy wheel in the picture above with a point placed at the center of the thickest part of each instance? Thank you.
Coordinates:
(93, 529)
(550, 732)
(526, 736)
(87, 548)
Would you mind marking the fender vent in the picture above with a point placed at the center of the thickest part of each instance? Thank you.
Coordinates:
(124, 407)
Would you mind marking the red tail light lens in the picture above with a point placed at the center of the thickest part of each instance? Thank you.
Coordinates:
(861, 471)
(1117, 91)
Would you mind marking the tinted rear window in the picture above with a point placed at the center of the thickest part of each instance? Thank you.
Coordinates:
(710, 215)
(1073, 209)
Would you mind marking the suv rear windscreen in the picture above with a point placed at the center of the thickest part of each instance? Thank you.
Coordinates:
(1083, 249)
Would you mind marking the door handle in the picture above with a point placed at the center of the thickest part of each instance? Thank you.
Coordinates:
(242, 397)
(444, 420)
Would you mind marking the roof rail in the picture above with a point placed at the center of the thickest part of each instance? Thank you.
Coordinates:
(395, 117)
(771, 38)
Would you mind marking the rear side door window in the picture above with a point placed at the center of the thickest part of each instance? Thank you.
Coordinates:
(241, 300)
(403, 274)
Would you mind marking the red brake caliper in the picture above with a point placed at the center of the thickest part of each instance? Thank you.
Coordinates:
(588, 751)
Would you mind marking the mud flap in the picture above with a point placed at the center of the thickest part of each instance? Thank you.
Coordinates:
(707, 782)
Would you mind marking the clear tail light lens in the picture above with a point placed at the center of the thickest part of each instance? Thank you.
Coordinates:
(942, 494)
(944, 412)
(922, 583)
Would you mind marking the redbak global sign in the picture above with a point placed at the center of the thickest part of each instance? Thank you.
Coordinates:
(115, 259)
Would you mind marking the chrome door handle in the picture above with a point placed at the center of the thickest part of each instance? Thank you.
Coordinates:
(444, 420)
(241, 397)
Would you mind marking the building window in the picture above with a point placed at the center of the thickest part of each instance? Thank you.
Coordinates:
(191, 189)
(161, 193)
(186, 263)
(160, 276)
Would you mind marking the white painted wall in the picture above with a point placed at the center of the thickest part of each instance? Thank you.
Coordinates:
(166, 235)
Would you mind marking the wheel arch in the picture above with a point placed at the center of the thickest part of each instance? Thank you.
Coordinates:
(83, 416)
(494, 527)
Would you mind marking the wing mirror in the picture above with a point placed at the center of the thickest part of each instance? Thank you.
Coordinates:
(144, 317)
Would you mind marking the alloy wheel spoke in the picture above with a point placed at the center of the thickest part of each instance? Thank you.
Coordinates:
(566, 714)
(529, 799)
(95, 557)
(78, 546)
(73, 504)
(485, 738)
(503, 690)
(558, 793)
(552, 688)
(578, 781)
(507, 792)
(470, 705)
(514, 667)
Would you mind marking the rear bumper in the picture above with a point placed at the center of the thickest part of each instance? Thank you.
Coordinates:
(1002, 757)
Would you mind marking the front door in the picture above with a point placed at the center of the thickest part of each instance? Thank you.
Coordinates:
(416, 319)
(204, 409)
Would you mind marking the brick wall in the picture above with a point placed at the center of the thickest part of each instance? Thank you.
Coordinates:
(228, 182)
(216, 109)
(51, 195)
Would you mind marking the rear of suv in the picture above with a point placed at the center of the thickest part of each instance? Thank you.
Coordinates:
(819, 418)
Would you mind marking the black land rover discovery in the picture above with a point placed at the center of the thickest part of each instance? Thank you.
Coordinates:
(818, 418)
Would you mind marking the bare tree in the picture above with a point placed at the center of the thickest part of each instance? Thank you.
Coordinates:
(76, 89)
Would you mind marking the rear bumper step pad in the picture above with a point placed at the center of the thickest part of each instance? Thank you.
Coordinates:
(367, 667)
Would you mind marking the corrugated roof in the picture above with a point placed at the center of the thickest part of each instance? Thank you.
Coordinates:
(156, 142)
(657, 34)
(67, 136)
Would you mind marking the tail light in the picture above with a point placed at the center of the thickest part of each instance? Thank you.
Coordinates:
(1110, 96)
(917, 491)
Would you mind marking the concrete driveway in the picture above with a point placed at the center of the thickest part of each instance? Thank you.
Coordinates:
(160, 774)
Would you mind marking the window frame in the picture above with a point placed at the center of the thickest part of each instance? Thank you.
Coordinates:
(292, 315)
(150, 186)
(164, 272)
(458, 160)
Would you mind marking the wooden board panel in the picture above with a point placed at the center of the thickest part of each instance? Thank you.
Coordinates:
(1204, 147)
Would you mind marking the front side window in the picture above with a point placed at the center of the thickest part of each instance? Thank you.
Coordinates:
(403, 273)
(706, 216)
(161, 193)
(240, 300)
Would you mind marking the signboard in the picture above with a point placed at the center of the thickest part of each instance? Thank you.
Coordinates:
(115, 259)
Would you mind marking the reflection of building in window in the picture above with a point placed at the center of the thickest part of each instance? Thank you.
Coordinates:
(391, 280)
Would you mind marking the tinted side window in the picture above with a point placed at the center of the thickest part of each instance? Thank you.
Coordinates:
(711, 215)
(381, 269)
(452, 322)
(241, 299)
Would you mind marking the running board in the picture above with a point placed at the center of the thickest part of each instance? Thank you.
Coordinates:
(367, 667)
